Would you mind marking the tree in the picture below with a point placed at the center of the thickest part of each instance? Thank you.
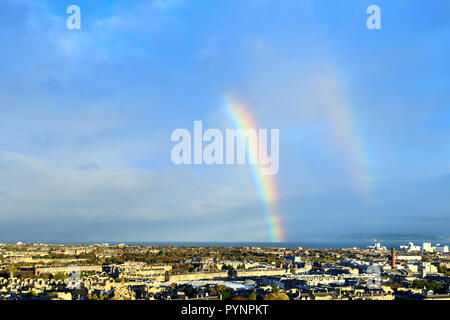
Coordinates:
(60, 276)
(276, 296)
(226, 294)
(229, 268)
(44, 276)
(275, 289)
(252, 296)
(436, 287)
(443, 269)
(394, 285)
(33, 294)
(12, 269)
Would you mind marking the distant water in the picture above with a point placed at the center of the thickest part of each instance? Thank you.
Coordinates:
(314, 244)
(325, 244)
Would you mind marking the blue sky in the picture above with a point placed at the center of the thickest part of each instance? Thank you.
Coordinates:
(86, 117)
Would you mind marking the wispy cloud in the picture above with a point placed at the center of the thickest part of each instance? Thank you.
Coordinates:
(38, 191)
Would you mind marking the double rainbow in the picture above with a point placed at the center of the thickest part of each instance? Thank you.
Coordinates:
(265, 185)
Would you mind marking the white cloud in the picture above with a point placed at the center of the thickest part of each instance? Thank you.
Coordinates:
(34, 190)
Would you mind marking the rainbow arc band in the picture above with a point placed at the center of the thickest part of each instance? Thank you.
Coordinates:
(265, 185)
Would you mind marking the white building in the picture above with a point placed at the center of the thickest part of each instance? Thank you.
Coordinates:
(377, 246)
(442, 249)
(410, 247)
(426, 247)
(409, 258)
(413, 267)
(296, 259)
(428, 267)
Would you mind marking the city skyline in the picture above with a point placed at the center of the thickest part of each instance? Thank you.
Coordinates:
(87, 116)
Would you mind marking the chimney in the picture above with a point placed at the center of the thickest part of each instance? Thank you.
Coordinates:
(393, 258)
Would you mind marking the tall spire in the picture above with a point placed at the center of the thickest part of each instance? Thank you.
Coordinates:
(393, 258)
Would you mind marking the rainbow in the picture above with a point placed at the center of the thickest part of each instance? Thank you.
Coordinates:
(265, 185)
(347, 138)
(341, 119)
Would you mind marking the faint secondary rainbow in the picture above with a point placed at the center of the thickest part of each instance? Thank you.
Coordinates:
(344, 126)
(265, 184)
(351, 145)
